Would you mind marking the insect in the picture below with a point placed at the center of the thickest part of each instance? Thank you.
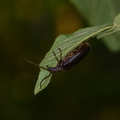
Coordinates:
(68, 62)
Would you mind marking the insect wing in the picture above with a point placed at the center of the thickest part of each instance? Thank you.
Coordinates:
(69, 63)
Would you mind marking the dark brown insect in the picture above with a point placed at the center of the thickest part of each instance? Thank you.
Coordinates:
(69, 61)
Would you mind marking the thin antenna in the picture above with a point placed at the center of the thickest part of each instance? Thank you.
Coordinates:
(35, 64)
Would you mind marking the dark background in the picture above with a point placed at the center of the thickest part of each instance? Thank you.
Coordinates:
(89, 91)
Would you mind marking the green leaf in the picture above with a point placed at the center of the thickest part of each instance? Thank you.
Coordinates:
(66, 43)
(98, 12)
(115, 28)
(117, 21)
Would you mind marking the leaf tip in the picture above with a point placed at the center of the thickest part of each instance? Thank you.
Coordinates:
(36, 90)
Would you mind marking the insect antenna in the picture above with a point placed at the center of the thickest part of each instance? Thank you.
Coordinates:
(36, 64)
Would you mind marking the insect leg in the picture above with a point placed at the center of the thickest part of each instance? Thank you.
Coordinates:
(60, 54)
(43, 80)
(59, 61)
(55, 56)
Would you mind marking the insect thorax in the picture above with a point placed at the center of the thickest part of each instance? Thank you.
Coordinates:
(56, 69)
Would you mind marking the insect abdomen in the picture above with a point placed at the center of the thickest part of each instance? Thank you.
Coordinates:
(76, 58)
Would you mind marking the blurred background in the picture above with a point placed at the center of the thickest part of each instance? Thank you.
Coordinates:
(89, 91)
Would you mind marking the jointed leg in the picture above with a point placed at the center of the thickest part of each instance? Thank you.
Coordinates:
(43, 80)
(60, 53)
(59, 61)
(55, 56)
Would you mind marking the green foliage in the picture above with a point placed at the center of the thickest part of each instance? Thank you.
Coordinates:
(97, 12)
(69, 42)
